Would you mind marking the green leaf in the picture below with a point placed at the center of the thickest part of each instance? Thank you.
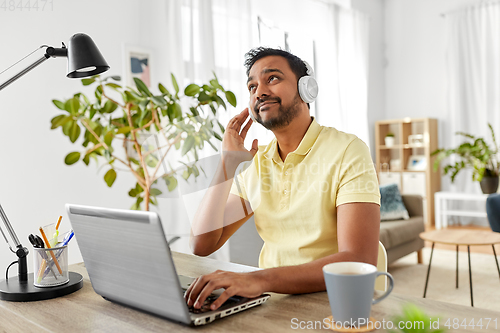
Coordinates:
(137, 204)
(159, 100)
(86, 159)
(216, 84)
(98, 92)
(87, 82)
(59, 121)
(72, 105)
(67, 127)
(59, 104)
(72, 158)
(177, 111)
(109, 107)
(143, 104)
(171, 183)
(108, 138)
(174, 83)
(110, 177)
(203, 97)
(113, 85)
(217, 136)
(192, 90)
(162, 89)
(231, 98)
(220, 101)
(155, 192)
(188, 144)
(133, 193)
(222, 129)
(124, 130)
(74, 132)
(142, 87)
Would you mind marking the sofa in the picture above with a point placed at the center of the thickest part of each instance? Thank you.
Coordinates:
(401, 237)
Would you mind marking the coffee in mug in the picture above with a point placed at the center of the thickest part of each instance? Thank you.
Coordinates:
(350, 287)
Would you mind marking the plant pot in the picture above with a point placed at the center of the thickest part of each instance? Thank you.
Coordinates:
(489, 185)
(389, 141)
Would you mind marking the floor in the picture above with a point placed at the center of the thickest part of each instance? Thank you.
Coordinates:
(475, 249)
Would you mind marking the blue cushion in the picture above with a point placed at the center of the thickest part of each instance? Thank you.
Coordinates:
(391, 204)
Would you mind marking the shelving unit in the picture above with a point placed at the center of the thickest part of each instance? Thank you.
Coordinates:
(412, 178)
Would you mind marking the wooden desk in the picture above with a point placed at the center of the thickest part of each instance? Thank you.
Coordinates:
(85, 311)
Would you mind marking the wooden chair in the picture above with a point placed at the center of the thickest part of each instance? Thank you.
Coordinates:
(381, 282)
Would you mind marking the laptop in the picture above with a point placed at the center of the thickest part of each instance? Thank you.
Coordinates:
(129, 262)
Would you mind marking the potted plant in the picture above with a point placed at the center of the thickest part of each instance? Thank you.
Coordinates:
(113, 130)
(474, 153)
(389, 139)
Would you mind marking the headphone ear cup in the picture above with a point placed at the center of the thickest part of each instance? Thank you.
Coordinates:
(308, 88)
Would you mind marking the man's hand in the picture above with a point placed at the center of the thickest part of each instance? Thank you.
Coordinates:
(250, 284)
(233, 140)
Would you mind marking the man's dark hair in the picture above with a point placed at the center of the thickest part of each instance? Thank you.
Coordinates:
(296, 64)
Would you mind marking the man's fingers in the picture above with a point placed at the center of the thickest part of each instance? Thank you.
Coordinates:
(207, 290)
(246, 128)
(236, 122)
(255, 147)
(222, 298)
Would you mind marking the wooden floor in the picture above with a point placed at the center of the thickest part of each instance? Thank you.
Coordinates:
(476, 249)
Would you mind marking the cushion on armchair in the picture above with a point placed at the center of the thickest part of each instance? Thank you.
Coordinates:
(391, 204)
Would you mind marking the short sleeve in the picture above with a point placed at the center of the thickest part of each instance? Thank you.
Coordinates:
(357, 179)
(238, 187)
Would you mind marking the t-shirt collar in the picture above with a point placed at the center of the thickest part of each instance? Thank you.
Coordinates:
(305, 145)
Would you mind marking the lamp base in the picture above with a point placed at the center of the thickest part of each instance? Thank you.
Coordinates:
(13, 290)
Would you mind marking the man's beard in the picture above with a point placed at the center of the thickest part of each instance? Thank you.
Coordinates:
(285, 114)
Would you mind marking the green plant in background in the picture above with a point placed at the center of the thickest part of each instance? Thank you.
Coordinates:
(389, 135)
(475, 153)
(415, 320)
(107, 122)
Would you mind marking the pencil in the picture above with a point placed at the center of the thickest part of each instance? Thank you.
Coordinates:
(51, 253)
(58, 222)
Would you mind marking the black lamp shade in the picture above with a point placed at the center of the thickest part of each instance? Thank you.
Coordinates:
(84, 58)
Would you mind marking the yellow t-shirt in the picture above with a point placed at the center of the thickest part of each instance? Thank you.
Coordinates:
(294, 201)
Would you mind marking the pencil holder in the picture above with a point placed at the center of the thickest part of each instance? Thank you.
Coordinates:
(50, 266)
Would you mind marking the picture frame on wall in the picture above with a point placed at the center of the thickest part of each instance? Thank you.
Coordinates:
(136, 63)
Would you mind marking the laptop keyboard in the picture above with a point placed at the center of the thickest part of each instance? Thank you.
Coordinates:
(210, 299)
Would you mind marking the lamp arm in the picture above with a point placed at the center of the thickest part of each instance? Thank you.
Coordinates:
(49, 52)
(24, 71)
(21, 251)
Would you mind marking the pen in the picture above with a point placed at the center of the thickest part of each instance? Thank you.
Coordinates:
(51, 253)
(65, 242)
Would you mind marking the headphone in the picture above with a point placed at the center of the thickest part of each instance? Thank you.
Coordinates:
(307, 86)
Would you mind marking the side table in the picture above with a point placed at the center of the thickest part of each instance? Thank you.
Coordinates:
(461, 237)
(441, 210)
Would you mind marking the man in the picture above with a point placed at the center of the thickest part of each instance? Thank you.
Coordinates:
(313, 191)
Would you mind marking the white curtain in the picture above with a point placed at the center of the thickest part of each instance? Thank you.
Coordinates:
(211, 36)
(473, 92)
(352, 69)
(473, 76)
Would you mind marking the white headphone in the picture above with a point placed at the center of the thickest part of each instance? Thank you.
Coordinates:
(308, 86)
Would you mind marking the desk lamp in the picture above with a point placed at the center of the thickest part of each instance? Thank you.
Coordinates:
(84, 59)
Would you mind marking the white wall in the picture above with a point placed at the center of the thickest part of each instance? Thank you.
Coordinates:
(416, 73)
(35, 184)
